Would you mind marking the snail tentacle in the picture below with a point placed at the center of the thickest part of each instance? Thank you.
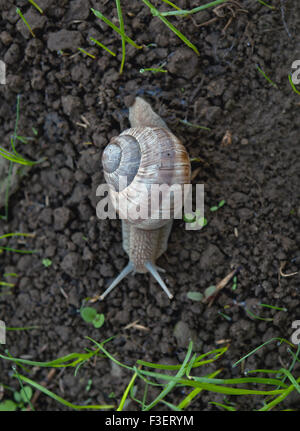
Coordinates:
(153, 271)
(127, 270)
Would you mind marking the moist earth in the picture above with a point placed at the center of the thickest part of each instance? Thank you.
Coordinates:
(247, 153)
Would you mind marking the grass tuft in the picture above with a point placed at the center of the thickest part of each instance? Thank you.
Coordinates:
(276, 389)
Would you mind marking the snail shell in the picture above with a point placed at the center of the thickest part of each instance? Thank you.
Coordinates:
(145, 155)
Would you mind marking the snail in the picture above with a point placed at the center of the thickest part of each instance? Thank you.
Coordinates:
(146, 154)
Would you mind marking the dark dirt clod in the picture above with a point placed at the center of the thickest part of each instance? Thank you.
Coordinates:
(64, 39)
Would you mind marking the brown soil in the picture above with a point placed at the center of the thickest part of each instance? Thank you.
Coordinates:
(256, 170)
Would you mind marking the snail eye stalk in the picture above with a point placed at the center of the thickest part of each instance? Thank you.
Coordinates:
(127, 270)
(130, 268)
(153, 271)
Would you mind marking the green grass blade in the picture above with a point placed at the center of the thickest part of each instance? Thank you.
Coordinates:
(273, 307)
(203, 383)
(16, 250)
(10, 169)
(199, 381)
(100, 347)
(190, 397)
(281, 340)
(158, 366)
(277, 400)
(8, 235)
(292, 379)
(120, 16)
(24, 20)
(216, 352)
(224, 406)
(13, 158)
(4, 151)
(190, 365)
(64, 361)
(241, 380)
(59, 399)
(172, 383)
(102, 46)
(198, 361)
(255, 316)
(153, 70)
(36, 6)
(194, 10)
(171, 406)
(115, 28)
(22, 389)
(125, 395)
(86, 53)
(24, 139)
(4, 283)
(171, 4)
(14, 137)
(266, 77)
(265, 4)
(155, 12)
(293, 85)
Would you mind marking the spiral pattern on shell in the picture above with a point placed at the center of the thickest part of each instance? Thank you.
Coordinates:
(146, 156)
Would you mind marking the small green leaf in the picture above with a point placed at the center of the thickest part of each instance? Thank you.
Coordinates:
(8, 406)
(210, 291)
(89, 384)
(26, 394)
(195, 296)
(98, 320)
(189, 218)
(225, 316)
(88, 314)
(221, 203)
(17, 397)
(202, 221)
(47, 262)
(214, 208)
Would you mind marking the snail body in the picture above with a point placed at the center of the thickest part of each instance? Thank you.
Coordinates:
(141, 158)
